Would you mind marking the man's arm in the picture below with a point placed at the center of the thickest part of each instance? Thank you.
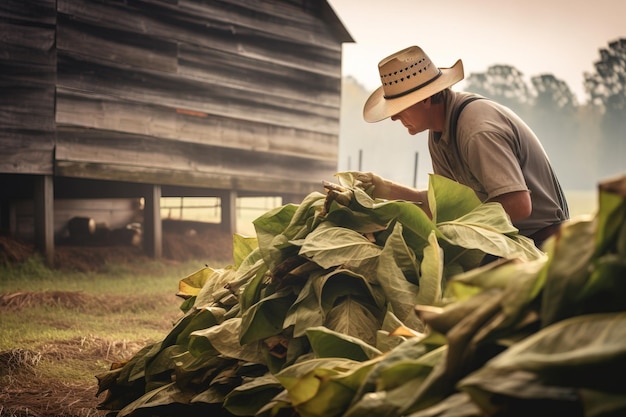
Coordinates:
(401, 192)
(516, 204)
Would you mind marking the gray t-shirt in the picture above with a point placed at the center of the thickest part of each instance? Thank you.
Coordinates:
(498, 154)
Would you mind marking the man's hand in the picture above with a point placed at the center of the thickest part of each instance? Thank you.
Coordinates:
(381, 188)
(389, 190)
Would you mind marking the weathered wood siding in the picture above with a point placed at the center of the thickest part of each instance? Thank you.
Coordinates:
(27, 83)
(234, 94)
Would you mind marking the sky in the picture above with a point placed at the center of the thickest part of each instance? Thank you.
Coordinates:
(558, 37)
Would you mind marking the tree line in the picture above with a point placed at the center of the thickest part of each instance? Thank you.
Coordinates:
(586, 142)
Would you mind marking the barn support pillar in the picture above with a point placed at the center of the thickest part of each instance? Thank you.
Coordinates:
(44, 217)
(229, 211)
(152, 225)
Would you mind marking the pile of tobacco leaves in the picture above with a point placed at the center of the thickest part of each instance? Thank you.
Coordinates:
(345, 305)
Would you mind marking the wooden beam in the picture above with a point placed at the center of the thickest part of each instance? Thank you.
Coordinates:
(44, 217)
(152, 226)
(228, 202)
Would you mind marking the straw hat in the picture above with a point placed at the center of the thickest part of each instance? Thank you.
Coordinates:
(408, 77)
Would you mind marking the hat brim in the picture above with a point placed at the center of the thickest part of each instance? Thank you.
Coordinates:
(378, 108)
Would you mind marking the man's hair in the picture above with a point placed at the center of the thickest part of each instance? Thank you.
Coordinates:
(438, 97)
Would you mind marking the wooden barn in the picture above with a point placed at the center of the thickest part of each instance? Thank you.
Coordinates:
(143, 99)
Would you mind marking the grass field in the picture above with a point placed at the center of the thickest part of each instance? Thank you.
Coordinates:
(60, 329)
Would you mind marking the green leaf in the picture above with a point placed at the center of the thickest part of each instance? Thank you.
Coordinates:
(214, 287)
(135, 369)
(208, 362)
(606, 287)
(430, 288)
(400, 293)
(273, 222)
(273, 408)
(391, 384)
(385, 342)
(249, 397)
(460, 405)
(327, 343)
(484, 229)
(581, 352)
(489, 216)
(253, 277)
(354, 219)
(193, 283)
(164, 395)
(212, 395)
(138, 369)
(223, 339)
(448, 199)
(520, 282)
(568, 270)
(243, 246)
(297, 378)
(340, 283)
(403, 256)
(323, 387)
(611, 213)
(345, 178)
(411, 216)
(305, 312)
(201, 319)
(355, 319)
(409, 349)
(265, 318)
(162, 363)
(395, 374)
(330, 246)
(278, 226)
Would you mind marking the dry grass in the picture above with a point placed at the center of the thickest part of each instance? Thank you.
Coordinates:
(85, 303)
(99, 306)
(56, 377)
(18, 360)
(38, 397)
(28, 390)
(25, 299)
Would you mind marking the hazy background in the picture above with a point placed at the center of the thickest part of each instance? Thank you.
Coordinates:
(561, 37)
(558, 39)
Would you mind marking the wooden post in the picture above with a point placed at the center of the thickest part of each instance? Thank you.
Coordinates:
(44, 217)
(152, 226)
(360, 159)
(228, 201)
(417, 155)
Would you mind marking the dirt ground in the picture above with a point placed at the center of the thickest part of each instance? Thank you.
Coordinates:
(182, 241)
(27, 394)
(24, 394)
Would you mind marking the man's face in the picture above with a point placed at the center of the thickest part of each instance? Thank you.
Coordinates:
(415, 118)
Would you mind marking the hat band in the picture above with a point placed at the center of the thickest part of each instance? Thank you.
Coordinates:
(404, 93)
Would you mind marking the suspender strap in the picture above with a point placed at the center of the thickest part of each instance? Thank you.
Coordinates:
(453, 125)
(455, 119)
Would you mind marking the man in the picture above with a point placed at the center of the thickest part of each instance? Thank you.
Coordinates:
(486, 146)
